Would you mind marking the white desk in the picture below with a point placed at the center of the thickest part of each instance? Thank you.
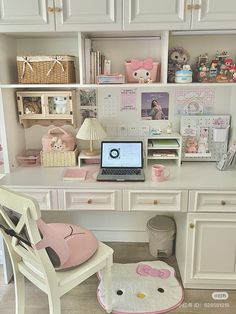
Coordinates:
(201, 198)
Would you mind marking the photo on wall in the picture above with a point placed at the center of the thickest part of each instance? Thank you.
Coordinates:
(154, 106)
(88, 104)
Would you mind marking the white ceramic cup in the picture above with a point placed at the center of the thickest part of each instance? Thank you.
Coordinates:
(159, 173)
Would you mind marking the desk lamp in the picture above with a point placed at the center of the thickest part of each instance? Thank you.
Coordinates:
(91, 130)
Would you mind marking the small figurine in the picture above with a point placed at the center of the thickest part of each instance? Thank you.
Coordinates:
(169, 128)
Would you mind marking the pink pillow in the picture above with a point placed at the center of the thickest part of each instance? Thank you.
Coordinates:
(72, 244)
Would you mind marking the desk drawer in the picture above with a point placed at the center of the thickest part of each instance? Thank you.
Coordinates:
(212, 201)
(46, 198)
(90, 200)
(166, 200)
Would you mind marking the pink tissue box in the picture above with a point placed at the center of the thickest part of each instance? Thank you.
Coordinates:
(139, 69)
(29, 158)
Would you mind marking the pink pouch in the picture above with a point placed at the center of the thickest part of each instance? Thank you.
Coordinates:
(142, 69)
(57, 139)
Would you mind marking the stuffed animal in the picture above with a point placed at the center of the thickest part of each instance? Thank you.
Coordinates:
(57, 144)
(32, 108)
(141, 71)
(60, 104)
(191, 145)
(177, 57)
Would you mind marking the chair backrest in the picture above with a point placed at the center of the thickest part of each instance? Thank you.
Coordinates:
(20, 213)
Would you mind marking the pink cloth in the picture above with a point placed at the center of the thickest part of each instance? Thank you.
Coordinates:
(72, 243)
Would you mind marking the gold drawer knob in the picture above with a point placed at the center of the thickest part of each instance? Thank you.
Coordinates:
(90, 201)
(155, 202)
(223, 202)
(191, 225)
(189, 6)
(50, 9)
(58, 9)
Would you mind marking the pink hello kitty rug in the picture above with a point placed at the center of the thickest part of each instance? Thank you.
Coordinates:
(143, 288)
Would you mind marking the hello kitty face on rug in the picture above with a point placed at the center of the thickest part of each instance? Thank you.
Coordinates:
(147, 287)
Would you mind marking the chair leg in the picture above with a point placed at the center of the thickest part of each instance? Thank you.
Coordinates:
(54, 304)
(19, 292)
(107, 286)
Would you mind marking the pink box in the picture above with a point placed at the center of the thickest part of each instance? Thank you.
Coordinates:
(29, 158)
(137, 71)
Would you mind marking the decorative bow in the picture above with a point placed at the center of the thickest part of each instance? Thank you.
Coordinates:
(56, 60)
(146, 270)
(26, 61)
(147, 64)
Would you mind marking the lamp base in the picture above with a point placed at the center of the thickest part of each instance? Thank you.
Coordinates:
(91, 153)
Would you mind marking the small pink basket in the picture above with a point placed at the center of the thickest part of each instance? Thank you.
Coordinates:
(133, 73)
(29, 158)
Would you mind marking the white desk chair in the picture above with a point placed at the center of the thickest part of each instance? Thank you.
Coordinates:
(36, 265)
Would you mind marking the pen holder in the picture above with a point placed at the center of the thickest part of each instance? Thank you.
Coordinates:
(159, 173)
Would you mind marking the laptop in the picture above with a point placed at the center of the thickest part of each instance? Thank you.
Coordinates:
(121, 161)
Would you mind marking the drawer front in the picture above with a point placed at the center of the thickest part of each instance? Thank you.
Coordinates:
(166, 200)
(46, 198)
(212, 201)
(90, 200)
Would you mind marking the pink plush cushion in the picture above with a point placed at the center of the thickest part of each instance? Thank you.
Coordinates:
(72, 244)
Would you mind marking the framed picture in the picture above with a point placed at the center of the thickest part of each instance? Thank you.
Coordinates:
(155, 106)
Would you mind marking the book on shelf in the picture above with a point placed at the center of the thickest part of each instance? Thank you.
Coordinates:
(164, 153)
(75, 174)
(164, 142)
(87, 51)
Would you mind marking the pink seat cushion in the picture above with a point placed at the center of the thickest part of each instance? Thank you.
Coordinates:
(72, 244)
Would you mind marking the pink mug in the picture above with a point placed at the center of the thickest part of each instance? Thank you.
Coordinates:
(159, 173)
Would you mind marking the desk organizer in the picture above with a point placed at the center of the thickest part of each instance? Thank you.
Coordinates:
(46, 69)
(29, 158)
(59, 159)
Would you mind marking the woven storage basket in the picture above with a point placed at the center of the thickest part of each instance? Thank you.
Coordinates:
(59, 159)
(46, 69)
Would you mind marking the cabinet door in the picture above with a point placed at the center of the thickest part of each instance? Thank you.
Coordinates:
(156, 14)
(211, 247)
(89, 15)
(214, 14)
(17, 16)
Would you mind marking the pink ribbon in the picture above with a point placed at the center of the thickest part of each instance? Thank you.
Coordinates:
(146, 270)
(147, 64)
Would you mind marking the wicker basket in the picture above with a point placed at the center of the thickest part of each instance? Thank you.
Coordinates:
(46, 69)
(59, 159)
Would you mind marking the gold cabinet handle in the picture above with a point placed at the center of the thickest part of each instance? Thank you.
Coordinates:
(58, 9)
(196, 7)
(223, 202)
(90, 201)
(189, 6)
(155, 202)
(191, 225)
(50, 9)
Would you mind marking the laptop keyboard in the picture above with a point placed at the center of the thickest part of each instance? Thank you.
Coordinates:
(121, 171)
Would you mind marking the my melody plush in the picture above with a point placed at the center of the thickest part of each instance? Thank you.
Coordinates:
(141, 71)
(60, 104)
(177, 58)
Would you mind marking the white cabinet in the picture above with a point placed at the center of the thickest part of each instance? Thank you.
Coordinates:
(26, 15)
(80, 199)
(66, 15)
(89, 15)
(47, 198)
(156, 200)
(212, 201)
(156, 14)
(211, 247)
(179, 14)
(213, 14)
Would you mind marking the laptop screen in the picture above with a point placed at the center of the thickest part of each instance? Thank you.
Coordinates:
(122, 154)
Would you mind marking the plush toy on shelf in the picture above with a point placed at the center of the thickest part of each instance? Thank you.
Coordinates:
(60, 104)
(177, 58)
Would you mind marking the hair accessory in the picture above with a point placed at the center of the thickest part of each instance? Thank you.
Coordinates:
(146, 270)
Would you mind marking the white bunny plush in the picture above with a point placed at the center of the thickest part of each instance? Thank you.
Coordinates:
(60, 104)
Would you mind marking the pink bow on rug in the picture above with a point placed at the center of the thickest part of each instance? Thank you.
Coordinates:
(147, 64)
(146, 270)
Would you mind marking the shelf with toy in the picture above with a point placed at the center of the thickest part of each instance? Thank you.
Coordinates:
(43, 107)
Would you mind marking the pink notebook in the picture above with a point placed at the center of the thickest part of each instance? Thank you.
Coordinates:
(75, 174)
